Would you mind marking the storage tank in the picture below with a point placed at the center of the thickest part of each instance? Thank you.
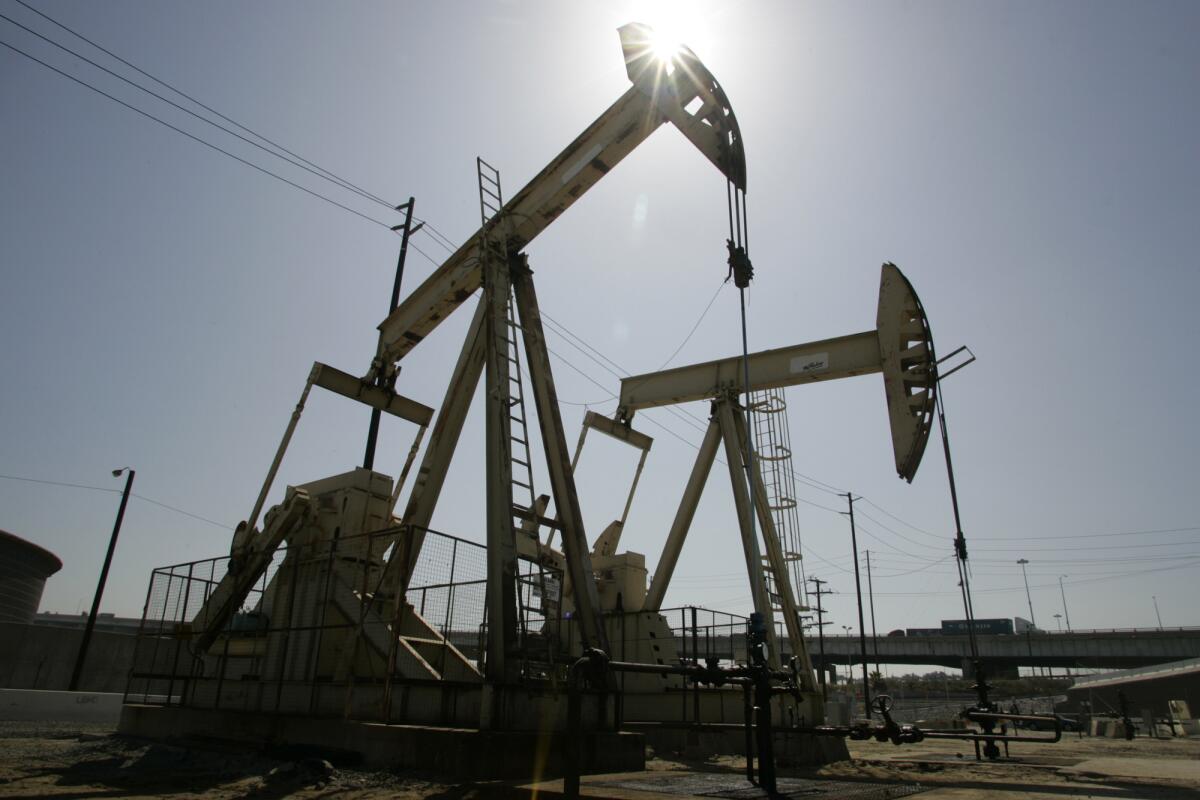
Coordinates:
(24, 568)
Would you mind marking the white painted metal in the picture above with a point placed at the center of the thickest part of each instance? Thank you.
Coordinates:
(901, 348)
(659, 93)
(741, 500)
(683, 517)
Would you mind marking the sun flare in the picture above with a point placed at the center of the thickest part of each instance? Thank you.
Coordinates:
(665, 46)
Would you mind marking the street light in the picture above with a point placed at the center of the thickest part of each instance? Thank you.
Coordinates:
(1063, 592)
(1058, 618)
(1155, 599)
(112, 545)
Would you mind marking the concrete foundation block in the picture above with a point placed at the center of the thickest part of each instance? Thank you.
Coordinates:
(59, 706)
(462, 752)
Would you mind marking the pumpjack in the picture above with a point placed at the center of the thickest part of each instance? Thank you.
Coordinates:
(313, 562)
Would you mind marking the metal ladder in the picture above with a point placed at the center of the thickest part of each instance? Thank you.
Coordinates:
(525, 511)
(773, 454)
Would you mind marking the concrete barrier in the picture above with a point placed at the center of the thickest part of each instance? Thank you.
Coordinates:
(40, 705)
(43, 657)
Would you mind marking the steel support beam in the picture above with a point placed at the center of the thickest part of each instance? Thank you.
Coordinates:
(684, 516)
(380, 398)
(558, 460)
(741, 500)
(431, 475)
(501, 536)
(621, 128)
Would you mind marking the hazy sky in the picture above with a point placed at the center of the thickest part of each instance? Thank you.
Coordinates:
(1032, 167)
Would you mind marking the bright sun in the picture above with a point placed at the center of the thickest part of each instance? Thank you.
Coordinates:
(676, 25)
(665, 45)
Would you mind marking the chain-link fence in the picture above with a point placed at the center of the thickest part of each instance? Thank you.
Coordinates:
(316, 628)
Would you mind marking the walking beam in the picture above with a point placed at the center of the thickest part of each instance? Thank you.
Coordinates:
(658, 95)
(901, 347)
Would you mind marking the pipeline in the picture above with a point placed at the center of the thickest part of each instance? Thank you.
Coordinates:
(891, 731)
(759, 683)
(756, 679)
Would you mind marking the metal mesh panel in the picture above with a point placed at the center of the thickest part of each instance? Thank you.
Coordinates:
(317, 626)
(703, 634)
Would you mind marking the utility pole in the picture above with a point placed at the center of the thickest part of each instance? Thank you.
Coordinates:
(1032, 623)
(77, 674)
(821, 623)
(862, 633)
(1063, 592)
(382, 380)
(1028, 597)
(874, 633)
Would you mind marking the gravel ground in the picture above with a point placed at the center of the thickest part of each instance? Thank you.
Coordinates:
(46, 760)
(49, 760)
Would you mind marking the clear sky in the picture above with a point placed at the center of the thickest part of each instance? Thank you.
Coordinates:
(1032, 167)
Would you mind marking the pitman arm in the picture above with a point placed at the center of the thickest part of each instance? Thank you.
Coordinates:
(660, 93)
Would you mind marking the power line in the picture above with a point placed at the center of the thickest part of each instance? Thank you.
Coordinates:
(945, 543)
(1097, 535)
(869, 502)
(1138, 546)
(437, 235)
(195, 138)
(61, 483)
(330, 176)
(181, 511)
(111, 490)
(1010, 589)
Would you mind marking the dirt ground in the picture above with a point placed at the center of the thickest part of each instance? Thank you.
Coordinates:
(79, 761)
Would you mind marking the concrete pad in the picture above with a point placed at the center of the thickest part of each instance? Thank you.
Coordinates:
(700, 785)
(53, 706)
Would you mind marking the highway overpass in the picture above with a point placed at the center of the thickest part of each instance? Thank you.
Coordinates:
(1108, 649)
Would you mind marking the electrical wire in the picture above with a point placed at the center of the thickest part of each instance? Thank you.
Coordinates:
(327, 175)
(437, 235)
(1021, 589)
(111, 490)
(195, 138)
